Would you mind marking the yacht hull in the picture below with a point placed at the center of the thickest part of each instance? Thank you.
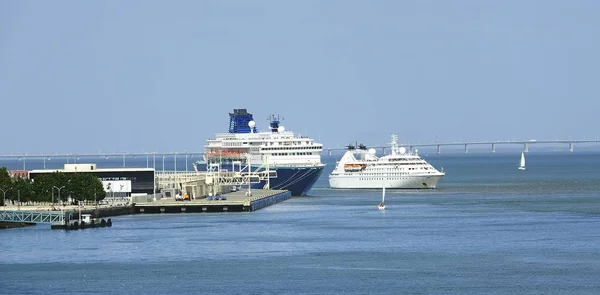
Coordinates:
(405, 182)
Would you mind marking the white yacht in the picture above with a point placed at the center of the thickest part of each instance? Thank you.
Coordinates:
(297, 159)
(400, 169)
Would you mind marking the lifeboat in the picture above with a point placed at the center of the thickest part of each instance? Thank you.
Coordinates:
(225, 154)
(354, 167)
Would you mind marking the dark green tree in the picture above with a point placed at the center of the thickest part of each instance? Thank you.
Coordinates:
(42, 188)
(50, 187)
(84, 187)
(22, 189)
(5, 184)
(5, 180)
(45, 188)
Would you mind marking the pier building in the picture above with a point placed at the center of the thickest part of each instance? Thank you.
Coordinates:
(117, 182)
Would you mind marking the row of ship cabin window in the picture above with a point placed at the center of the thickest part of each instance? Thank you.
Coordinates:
(292, 148)
(350, 173)
(410, 163)
(401, 159)
(405, 173)
(410, 168)
(391, 178)
(292, 154)
(287, 143)
(270, 143)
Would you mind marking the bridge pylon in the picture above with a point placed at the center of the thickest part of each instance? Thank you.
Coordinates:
(493, 147)
(571, 145)
(526, 147)
(466, 148)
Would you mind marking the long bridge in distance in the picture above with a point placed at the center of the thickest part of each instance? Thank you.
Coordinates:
(153, 157)
(525, 143)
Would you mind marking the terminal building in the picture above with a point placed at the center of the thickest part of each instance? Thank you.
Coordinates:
(117, 182)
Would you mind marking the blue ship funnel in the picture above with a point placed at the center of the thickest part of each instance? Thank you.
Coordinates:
(238, 121)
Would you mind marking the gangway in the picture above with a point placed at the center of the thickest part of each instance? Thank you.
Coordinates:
(239, 174)
(217, 174)
(239, 178)
(33, 216)
(170, 178)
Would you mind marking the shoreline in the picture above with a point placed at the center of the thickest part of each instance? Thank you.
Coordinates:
(231, 202)
(59, 208)
(7, 225)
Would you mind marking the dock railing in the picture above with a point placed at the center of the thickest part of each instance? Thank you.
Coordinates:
(33, 216)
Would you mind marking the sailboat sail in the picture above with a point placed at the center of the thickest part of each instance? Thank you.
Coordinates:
(381, 205)
(522, 165)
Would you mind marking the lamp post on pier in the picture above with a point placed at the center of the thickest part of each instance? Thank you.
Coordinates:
(154, 176)
(4, 198)
(58, 188)
(186, 161)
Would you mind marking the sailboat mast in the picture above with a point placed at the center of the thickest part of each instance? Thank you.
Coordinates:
(383, 191)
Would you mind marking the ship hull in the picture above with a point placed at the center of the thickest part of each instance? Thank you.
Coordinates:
(297, 180)
(406, 182)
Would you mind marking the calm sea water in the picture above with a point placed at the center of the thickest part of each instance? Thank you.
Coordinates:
(487, 229)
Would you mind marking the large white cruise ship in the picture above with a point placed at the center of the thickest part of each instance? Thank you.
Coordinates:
(401, 169)
(297, 159)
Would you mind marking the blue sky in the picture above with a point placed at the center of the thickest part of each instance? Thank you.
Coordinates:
(114, 76)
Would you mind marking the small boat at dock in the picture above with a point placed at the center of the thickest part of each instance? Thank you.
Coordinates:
(85, 221)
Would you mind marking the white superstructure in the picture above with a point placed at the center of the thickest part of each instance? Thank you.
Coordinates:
(400, 169)
(280, 147)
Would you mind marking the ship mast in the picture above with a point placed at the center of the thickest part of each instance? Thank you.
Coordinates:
(394, 144)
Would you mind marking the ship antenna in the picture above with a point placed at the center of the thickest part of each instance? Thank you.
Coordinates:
(274, 121)
(394, 144)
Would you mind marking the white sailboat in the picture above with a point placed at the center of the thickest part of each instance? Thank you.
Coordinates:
(522, 166)
(381, 205)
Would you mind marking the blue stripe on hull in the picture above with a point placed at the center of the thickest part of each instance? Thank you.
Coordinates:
(298, 180)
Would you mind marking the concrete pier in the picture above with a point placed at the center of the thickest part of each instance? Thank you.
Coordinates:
(232, 202)
(103, 212)
(235, 202)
